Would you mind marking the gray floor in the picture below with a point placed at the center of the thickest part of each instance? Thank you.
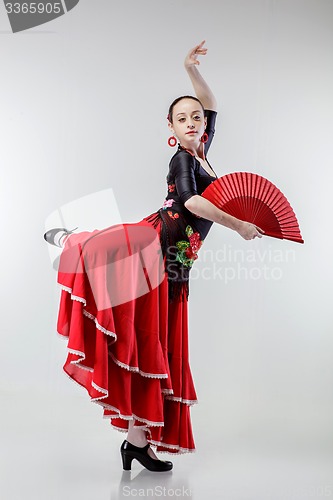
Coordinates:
(61, 448)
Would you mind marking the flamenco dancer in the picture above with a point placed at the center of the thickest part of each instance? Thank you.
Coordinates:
(124, 303)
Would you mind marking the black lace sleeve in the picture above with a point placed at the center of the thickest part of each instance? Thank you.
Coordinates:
(182, 168)
(210, 129)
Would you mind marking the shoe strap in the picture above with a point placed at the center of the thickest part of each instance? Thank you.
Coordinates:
(144, 448)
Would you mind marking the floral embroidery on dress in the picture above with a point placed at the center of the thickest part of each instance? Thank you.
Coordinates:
(173, 215)
(171, 188)
(167, 203)
(187, 250)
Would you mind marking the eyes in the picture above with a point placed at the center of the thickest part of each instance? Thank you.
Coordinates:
(195, 117)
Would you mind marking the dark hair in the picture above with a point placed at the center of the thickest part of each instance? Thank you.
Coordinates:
(172, 105)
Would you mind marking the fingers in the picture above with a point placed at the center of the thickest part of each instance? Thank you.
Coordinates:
(199, 50)
(259, 229)
(257, 233)
(199, 47)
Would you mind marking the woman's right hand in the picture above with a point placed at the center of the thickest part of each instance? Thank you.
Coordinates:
(192, 57)
(249, 231)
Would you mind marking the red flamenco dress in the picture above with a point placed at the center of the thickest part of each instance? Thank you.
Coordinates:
(124, 311)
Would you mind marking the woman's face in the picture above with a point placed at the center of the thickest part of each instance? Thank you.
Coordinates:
(188, 123)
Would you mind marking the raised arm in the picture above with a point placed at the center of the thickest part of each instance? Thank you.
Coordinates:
(201, 89)
(196, 203)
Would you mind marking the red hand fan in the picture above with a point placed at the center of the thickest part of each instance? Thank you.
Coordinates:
(254, 199)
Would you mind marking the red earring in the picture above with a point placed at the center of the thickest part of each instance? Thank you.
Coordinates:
(172, 141)
(204, 138)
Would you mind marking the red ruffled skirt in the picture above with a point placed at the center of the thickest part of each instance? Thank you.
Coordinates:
(127, 342)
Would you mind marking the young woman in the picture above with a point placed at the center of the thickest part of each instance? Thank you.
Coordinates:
(124, 303)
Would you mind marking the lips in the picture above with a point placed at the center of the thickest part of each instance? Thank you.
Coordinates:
(192, 132)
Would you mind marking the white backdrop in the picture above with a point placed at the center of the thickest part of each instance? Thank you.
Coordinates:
(83, 104)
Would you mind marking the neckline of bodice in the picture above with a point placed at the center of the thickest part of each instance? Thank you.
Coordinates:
(181, 148)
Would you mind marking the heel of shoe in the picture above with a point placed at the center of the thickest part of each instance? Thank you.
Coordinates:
(127, 460)
(130, 451)
(54, 236)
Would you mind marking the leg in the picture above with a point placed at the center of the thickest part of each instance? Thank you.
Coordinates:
(138, 437)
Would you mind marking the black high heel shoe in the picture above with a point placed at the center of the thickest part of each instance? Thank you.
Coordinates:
(129, 451)
(54, 237)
